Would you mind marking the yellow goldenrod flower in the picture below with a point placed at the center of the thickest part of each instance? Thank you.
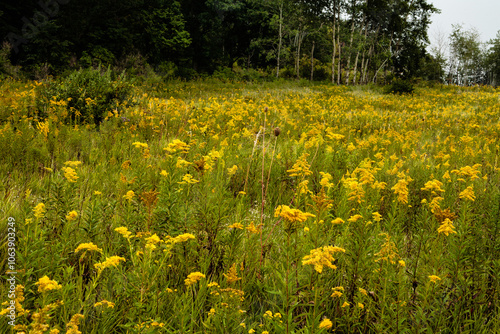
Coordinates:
(211, 312)
(231, 171)
(88, 247)
(337, 294)
(72, 325)
(188, 179)
(377, 217)
(321, 257)
(346, 304)
(72, 215)
(337, 221)
(46, 284)
(70, 174)
(183, 237)
(97, 193)
(164, 173)
(73, 164)
(268, 314)
(354, 218)
(140, 145)
(252, 228)
(291, 215)
(388, 252)
(325, 180)
(236, 225)
(446, 227)
(401, 190)
(301, 167)
(129, 195)
(326, 324)
(105, 303)
(177, 145)
(123, 231)
(193, 278)
(112, 261)
(468, 193)
(232, 275)
(39, 210)
(361, 306)
(434, 278)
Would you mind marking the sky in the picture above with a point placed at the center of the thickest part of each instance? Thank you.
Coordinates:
(484, 15)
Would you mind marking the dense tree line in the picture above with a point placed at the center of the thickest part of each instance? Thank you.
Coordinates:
(345, 41)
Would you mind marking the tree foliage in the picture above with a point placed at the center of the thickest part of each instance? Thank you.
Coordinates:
(349, 41)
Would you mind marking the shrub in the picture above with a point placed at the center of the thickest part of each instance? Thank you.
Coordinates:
(400, 86)
(86, 96)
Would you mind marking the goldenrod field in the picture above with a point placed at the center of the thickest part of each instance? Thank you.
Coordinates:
(254, 208)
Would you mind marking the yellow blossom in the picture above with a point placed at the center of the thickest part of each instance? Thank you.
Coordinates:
(129, 195)
(446, 227)
(112, 261)
(105, 303)
(321, 257)
(468, 193)
(123, 231)
(354, 218)
(434, 278)
(46, 284)
(72, 215)
(193, 278)
(39, 210)
(72, 325)
(188, 179)
(326, 324)
(291, 215)
(232, 275)
(236, 225)
(337, 221)
(88, 247)
(231, 171)
(73, 164)
(183, 237)
(70, 174)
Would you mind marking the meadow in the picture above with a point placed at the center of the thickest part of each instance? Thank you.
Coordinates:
(210, 207)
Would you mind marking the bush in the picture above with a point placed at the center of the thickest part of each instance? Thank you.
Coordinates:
(86, 96)
(399, 86)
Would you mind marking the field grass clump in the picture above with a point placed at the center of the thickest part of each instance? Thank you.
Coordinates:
(189, 212)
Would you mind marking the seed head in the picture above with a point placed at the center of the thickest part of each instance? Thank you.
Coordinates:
(277, 131)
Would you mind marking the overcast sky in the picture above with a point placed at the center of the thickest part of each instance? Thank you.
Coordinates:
(484, 15)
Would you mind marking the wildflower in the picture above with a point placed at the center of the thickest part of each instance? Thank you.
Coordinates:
(251, 331)
(97, 193)
(110, 261)
(468, 193)
(164, 173)
(46, 284)
(434, 186)
(363, 291)
(301, 167)
(434, 278)
(252, 229)
(402, 263)
(291, 215)
(88, 247)
(361, 306)
(401, 190)
(188, 179)
(231, 171)
(346, 304)
(337, 221)
(73, 324)
(177, 145)
(73, 164)
(388, 252)
(321, 257)
(183, 237)
(446, 227)
(236, 225)
(123, 231)
(70, 174)
(193, 278)
(39, 210)
(181, 163)
(72, 215)
(325, 180)
(105, 303)
(354, 218)
(268, 314)
(211, 312)
(325, 323)
(152, 241)
(377, 217)
(129, 195)
(140, 145)
(232, 275)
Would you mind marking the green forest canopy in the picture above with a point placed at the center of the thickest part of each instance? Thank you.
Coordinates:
(345, 41)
